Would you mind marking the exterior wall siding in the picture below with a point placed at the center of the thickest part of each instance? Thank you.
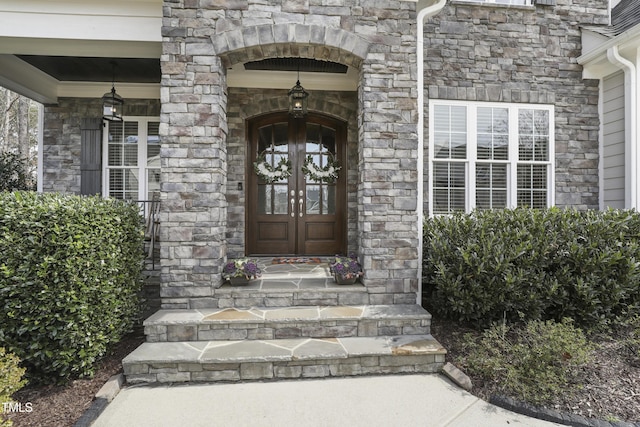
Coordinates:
(613, 144)
(480, 52)
(61, 139)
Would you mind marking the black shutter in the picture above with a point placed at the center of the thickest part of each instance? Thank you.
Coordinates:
(91, 156)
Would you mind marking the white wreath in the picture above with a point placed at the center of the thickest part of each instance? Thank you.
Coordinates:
(328, 174)
(270, 173)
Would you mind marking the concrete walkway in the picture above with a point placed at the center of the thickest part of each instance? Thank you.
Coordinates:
(398, 400)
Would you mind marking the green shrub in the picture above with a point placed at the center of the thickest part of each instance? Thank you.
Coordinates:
(630, 329)
(69, 279)
(10, 379)
(533, 362)
(533, 264)
(13, 173)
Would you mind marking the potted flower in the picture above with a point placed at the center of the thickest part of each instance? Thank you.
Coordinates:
(346, 270)
(240, 271)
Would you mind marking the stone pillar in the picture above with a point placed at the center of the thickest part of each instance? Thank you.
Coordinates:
(388, 173)
(193, 159)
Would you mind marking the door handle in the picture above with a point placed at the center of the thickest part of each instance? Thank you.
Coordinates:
(293, 206)
(301, 202)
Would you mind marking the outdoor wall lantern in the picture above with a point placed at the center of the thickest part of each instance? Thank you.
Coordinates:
(112, 102)
(298, 99)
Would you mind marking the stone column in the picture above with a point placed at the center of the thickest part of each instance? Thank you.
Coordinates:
(194, 161)
(388, 173)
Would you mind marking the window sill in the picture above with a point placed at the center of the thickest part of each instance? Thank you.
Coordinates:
(493, 5)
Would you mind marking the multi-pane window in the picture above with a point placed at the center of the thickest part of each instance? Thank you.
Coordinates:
(132, 159)
(489, 156)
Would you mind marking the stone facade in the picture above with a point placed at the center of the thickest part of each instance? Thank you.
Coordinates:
(201, 39)
(479, 52)
(473, 52)
(61, 139)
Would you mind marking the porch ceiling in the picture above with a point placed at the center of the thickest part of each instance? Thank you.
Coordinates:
(88, 69)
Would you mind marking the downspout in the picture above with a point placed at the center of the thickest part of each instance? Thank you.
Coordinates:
(630, 125)
(423, 13)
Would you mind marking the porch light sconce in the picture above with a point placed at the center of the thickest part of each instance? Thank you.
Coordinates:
(298, 100)
(112, 102)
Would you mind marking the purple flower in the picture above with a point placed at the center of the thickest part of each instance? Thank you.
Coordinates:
(346, 267)
(242, 267)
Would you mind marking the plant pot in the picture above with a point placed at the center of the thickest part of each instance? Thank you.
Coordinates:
(239, 281)
(343, 281)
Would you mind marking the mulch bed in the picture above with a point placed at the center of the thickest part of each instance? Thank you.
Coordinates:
(62, 406)
(610, 382)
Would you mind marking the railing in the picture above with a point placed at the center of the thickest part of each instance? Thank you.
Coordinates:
(149, 210)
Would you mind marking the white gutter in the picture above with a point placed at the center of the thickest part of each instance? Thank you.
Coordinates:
(423, 13)
(628, 36)
(630, 125)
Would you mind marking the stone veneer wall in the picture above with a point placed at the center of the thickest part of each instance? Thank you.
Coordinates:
(477, 52)
(201, 39)
(61, 139)
(247, 103)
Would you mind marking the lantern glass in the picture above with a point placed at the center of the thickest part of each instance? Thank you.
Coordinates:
(298, 99)
(112, 106)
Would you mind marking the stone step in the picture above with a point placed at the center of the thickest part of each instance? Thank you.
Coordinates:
(168, 362)
(286, 322)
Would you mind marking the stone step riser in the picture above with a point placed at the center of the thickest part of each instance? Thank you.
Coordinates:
(277, 299)
(254, 371)
(280, 330)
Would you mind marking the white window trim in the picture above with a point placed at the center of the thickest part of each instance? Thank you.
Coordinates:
(502, 2)
(471, 160)
(142, 156)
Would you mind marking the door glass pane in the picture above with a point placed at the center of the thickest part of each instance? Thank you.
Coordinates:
(321, 149)
(313, 199)
(281, 138)
(264, 138)
(328, 140)
(264, 199)
(280, 199)
(329, 199)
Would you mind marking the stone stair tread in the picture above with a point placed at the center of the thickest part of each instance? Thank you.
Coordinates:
(294, 349)
(286, 314)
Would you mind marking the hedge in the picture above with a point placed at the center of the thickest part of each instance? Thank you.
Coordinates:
(10, 380)
(533, 264)
(70, 274)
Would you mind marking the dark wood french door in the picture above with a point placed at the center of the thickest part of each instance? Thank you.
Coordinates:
(301, 214)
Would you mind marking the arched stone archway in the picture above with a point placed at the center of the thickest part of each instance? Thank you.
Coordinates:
(202, 39)
(341, 105)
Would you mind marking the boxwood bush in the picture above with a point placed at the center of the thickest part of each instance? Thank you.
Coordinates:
(70, 273)
(533, 264)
